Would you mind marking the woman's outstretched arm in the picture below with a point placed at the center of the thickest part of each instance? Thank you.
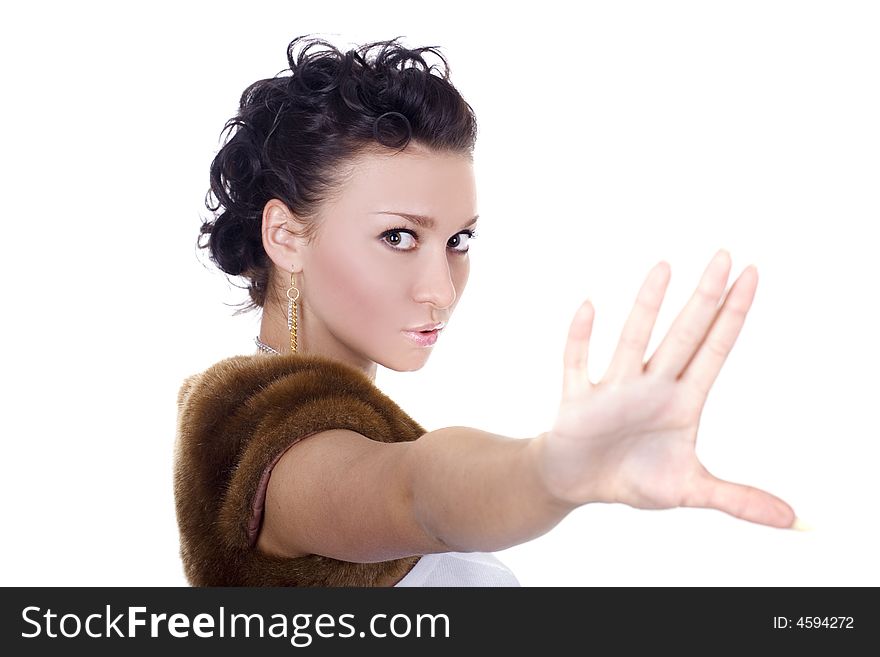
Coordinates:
(342, 495)
(630, 438)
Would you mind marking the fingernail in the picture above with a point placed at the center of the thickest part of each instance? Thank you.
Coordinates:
(800, 525)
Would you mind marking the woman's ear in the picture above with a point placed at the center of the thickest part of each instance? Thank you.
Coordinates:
(282, 244)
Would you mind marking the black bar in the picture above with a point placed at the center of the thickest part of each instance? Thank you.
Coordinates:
(550, 620)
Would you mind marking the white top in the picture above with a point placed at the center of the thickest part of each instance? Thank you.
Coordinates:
(459, 569)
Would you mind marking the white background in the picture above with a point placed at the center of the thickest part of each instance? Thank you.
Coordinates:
(612, 135)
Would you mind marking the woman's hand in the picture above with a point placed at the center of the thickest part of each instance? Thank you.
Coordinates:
(630, 438)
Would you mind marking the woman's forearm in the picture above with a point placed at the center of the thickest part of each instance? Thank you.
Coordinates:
(477, 491)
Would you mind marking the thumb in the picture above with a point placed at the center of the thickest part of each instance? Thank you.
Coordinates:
(745, 502)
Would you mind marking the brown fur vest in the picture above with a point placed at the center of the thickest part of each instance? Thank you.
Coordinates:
(235, 420)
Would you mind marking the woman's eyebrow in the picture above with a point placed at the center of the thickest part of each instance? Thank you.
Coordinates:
(422, 220)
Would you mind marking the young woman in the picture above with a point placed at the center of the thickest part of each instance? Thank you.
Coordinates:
(346, 197)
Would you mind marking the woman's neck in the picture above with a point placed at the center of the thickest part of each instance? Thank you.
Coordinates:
(312, 338)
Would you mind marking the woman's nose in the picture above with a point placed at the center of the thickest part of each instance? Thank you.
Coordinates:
(435, 285)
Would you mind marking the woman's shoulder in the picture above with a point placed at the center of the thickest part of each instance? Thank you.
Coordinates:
(233, 381)
(292, 394)
(254, 406)
(236, 419)
(262, 368)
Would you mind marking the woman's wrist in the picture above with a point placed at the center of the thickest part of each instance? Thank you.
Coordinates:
(548, 486)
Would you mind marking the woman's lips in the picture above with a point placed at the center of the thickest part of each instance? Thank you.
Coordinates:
(423, 338)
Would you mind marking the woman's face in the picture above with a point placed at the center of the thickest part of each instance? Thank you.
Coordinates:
(371, 273)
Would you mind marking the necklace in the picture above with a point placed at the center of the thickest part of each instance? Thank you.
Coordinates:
(266, 349)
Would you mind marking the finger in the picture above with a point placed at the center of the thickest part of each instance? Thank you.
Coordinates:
(745, 502)
(702, 371)
(689, 328)
(629, 357)
(575, 379)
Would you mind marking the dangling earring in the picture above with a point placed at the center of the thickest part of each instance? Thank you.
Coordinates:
(292, 296)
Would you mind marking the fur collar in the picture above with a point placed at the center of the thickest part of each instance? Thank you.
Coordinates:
(235, 420)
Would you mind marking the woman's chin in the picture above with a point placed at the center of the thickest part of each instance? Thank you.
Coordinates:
(407, 364)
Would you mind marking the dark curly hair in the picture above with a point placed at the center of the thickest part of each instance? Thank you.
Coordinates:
(293, 133)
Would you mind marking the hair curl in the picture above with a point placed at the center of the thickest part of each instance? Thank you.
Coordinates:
(293, 133)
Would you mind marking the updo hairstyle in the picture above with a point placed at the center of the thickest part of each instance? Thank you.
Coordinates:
(294, 134)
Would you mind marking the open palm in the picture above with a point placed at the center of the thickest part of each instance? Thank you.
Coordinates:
(631, 437)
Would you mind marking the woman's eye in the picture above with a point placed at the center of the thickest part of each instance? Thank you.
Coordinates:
(397, 237)
(463, 237)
